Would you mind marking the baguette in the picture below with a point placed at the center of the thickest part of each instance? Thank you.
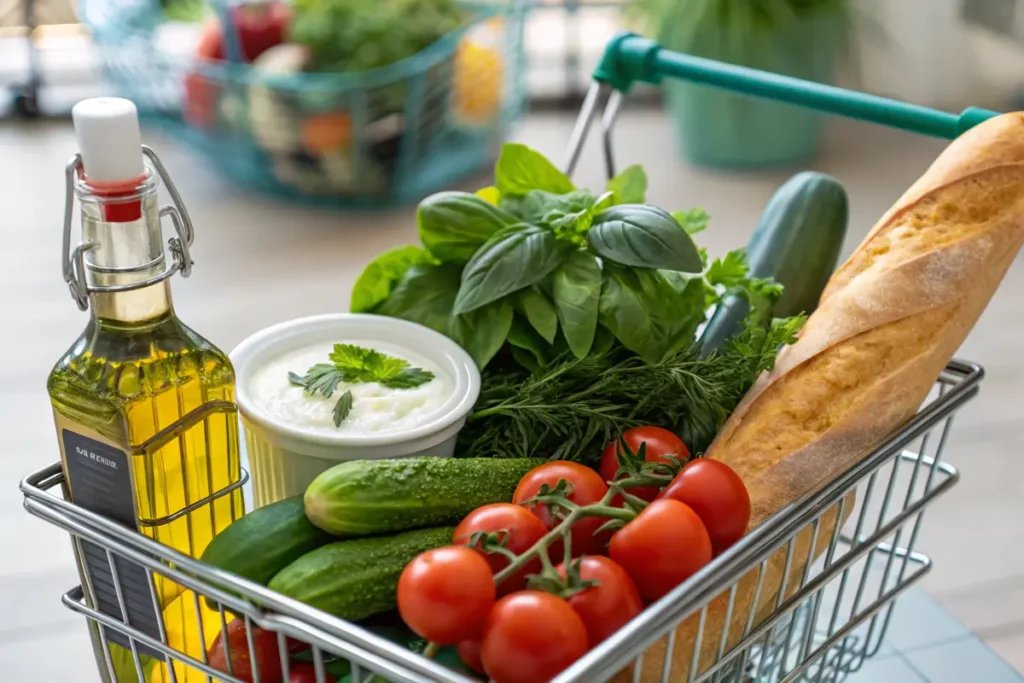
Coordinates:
(889, 320)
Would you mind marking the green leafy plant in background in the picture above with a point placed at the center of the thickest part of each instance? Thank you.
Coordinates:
(359, 35)
(732, 25)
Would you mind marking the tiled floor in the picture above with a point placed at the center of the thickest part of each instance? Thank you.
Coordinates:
(259, 262)
(926, 645)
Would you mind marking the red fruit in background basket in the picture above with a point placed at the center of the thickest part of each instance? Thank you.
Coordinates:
(515, 526)
(200, 103)
(211, 42)
(717, 494)
(267, 653)
(260, 26)
(306, 673)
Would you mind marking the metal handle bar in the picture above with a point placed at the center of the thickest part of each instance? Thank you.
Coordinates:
(629, 59)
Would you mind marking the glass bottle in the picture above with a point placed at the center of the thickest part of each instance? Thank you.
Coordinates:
(144, 406)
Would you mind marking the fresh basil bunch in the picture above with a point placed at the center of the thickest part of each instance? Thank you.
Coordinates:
(549, 269)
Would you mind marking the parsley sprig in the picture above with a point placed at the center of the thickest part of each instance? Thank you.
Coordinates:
(357, 365)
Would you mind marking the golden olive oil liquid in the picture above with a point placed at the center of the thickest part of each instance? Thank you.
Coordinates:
(164, 397)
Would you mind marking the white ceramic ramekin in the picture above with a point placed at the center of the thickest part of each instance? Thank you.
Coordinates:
(284, 458)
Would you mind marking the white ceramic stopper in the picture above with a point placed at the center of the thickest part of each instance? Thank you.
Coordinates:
(109, 140)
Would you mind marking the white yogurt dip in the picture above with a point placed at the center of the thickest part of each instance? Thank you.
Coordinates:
(376, 409)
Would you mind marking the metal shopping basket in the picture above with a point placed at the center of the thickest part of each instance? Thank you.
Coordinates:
(847, 550)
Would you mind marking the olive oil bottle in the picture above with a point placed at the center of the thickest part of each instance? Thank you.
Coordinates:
(143, 405)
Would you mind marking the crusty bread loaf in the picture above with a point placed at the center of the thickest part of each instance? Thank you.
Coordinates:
(889, 320)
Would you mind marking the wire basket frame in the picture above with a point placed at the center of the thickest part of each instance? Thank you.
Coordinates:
(825, 619)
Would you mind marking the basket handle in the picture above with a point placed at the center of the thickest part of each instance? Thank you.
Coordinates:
(630, 58)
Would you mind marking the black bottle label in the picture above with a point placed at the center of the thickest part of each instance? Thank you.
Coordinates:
(101, 482)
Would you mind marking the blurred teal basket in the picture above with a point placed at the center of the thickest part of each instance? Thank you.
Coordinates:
(376, 138)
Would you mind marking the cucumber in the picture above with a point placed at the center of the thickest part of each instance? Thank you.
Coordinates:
(356, 578)
(260, 544)
(797, 241)
(371, 497)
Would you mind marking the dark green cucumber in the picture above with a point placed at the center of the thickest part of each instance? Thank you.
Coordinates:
(370, 497)
(797, 242)
(356, 578)
(260, 544)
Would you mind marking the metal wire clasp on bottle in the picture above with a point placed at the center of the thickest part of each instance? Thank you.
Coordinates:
(73, 260)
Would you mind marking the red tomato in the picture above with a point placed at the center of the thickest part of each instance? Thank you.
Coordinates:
(608, 606)
(265, 647)
(519, 528)
(260, 26)
(296, 646)
(199, 107)
(530, 637)
(211, 42)
(469, 653)
(659, 443)
(444, 594)
(717, 494)
(587, 488)
(306, 673)
(665, 545)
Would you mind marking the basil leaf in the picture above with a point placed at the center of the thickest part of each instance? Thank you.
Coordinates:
(604, 340)
(425, 295)
(521, 169)
(526, 360)
(630, 186)
(489, 194)
(651, 313)
(643, 237)
(576, 287)
(522, 336)
(539, 311)
(692, 221)
(541, 206)
(482, 331)
(380, 275)
(453, 225)
(511, 260)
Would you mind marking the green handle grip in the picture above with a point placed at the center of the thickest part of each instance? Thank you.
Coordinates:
(629, 59)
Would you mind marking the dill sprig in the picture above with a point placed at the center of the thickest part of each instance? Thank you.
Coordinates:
(576, 407)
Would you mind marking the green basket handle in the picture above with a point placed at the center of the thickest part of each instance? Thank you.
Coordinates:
(629, 59)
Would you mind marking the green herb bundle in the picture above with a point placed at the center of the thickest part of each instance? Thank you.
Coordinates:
(576, 407)
(547, 268)
(582, 310)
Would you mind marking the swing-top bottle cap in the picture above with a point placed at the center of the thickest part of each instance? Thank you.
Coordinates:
(109, 140)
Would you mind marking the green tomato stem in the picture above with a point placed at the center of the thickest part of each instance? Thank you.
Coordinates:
(602, 508)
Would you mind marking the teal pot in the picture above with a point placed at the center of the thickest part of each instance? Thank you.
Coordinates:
(719, 128)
